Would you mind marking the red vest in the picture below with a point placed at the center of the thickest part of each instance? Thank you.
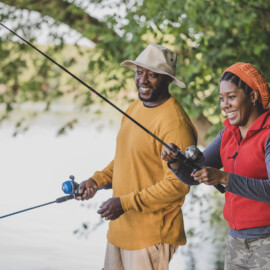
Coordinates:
(246, 158)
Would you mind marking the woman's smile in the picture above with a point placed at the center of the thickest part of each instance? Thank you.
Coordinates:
(232, 114)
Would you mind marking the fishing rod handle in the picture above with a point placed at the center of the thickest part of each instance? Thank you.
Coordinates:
(70, 186)
(190, 163)
(64, 198)
(219, 187)
(193, 153)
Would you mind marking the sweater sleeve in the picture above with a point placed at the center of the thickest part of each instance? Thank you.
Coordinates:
(254, 189)
(104, 177)
(167, 190)
(212, 153)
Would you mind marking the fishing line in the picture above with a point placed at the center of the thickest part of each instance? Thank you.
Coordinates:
(89, 87)
(177, 154)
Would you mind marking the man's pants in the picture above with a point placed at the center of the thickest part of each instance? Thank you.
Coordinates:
(249, 254)
(156, 257)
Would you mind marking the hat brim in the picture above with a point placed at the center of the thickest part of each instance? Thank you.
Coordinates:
(133, 65)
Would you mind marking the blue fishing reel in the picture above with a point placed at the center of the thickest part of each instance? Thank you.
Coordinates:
(69, 187)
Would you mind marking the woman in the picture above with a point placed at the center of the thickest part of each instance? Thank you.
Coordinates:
(243, 149)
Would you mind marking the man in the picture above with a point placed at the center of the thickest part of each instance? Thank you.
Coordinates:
(146, 219)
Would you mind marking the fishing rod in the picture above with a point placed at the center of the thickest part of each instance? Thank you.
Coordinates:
(69, 187)
(89, 87)
(58, 200)
(179, 155)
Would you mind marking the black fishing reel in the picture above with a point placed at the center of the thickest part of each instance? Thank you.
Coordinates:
(190, 158)
(192, 152)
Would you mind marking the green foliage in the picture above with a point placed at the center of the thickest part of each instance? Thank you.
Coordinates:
(208, 35)
(69, 125)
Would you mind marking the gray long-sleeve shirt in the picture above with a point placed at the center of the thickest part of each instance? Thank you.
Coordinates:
(254, 189)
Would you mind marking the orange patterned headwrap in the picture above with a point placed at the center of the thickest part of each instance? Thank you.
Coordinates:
(253, 78)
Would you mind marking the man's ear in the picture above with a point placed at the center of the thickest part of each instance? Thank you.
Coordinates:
(169, 80)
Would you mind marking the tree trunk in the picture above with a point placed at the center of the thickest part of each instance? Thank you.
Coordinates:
(202, 126)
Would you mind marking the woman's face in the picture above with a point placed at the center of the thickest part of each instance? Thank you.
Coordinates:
(236, 104)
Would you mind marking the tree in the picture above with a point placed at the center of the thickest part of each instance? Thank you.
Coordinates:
(208, 35)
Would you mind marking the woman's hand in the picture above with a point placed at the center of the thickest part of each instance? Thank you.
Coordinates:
(168, 155)
(211, 176)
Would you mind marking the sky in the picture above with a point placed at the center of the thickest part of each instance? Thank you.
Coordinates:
(70, 36)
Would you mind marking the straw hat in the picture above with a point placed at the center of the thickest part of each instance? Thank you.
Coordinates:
(158, 59)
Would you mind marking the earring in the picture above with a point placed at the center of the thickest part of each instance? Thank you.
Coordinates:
(254, 103)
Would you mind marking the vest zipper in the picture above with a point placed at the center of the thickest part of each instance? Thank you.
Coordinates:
(234, 227)
(234, 164)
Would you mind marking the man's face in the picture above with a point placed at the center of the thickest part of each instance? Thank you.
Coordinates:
(152, 86)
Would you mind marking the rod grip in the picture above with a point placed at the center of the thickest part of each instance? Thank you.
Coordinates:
(64, 198)
(196, 168)
(220, 188)
(108, 186)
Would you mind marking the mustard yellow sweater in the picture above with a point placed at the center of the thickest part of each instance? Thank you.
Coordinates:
(150, 194)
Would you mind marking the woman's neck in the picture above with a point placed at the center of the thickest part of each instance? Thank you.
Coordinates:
(244, 129)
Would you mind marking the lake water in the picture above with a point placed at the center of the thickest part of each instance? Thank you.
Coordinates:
(33, 167)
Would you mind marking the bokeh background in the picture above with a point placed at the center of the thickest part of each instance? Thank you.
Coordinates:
(51, 126)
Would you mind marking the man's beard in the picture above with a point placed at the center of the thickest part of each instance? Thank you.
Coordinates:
(155, 94)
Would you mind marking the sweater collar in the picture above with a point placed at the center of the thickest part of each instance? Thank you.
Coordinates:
(158, 106)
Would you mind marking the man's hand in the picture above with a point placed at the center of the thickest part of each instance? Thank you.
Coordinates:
(168, 155)
(86, 189)
(111, 209)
